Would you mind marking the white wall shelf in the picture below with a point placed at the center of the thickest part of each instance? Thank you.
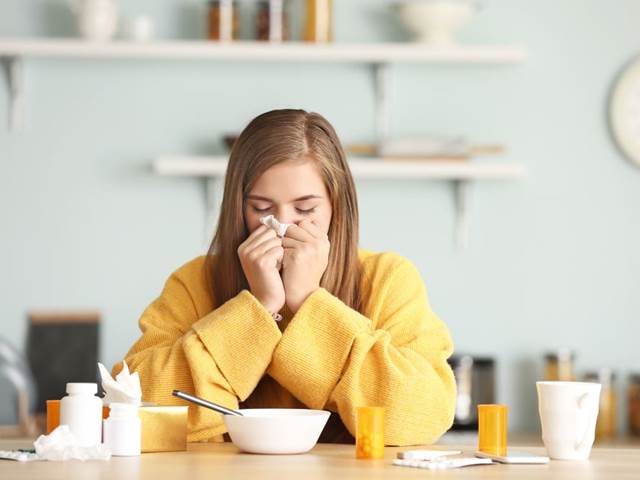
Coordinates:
(459, 173)
(361, 167)
(379, 56)
(262, 51)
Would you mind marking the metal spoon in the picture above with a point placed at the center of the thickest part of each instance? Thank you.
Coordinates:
(206, 403)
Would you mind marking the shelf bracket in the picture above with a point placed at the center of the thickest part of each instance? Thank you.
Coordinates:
(461, 192)
(14, 70)
(213, 189)
(382, 86)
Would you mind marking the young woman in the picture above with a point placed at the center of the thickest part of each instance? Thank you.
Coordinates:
(356, 326)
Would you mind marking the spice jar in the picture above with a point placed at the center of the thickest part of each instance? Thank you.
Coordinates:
(606, 425)
(318, 21)
(223, 19)
(559, 365)
(272, 21)
(633, 401)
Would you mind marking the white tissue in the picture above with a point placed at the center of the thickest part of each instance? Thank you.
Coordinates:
(62, 444)
(271, 222)
(124, 389)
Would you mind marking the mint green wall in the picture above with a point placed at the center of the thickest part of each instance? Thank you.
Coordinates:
(553, 259)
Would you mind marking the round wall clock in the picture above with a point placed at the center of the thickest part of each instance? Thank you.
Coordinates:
(624, 111)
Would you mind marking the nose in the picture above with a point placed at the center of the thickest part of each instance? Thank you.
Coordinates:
(288, 215)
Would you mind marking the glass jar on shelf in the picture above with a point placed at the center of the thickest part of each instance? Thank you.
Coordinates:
(606, 425)
(223, 20)
(633, 404)
(558, 365)
(318, 26)
(272, 21)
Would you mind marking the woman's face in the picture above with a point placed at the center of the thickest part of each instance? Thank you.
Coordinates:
(291, 191)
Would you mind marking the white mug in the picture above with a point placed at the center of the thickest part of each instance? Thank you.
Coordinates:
(568, 414)
(138, 29)
(97, 19)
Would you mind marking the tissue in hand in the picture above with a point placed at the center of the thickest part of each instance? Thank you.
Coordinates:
(124, 389)
(271, 222)
(62, 444)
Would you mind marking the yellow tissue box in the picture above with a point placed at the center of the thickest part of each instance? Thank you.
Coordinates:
(164, 428)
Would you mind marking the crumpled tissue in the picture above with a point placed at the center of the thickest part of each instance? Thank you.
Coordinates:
(124, 389)
(271, 222)
(62, 444)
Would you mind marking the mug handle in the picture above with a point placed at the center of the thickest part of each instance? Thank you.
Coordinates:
(583, 438)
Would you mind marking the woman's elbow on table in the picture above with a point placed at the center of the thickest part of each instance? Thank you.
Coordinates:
(421, 410)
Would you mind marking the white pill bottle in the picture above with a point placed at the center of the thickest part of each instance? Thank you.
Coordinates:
(123, 430)
(81, 410)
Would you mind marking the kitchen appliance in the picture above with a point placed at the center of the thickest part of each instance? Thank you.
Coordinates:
(475, 381)
(17, 385)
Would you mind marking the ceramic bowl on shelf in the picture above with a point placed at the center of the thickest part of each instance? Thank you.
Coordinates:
(276, 430)
(436, 22)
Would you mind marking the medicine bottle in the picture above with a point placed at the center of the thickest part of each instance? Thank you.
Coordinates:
(122, 430)
(81, 410)
(370, 432)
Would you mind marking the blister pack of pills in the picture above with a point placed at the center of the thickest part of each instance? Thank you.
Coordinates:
(18, 456)
(443, 463)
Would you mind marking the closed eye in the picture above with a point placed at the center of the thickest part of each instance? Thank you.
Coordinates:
(261, 210)
(307, 211)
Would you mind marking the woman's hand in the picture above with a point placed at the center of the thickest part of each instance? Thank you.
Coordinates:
(306, 255)
(260, 255)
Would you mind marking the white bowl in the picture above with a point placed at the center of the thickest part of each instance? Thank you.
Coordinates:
(276, 430)
(436, 21)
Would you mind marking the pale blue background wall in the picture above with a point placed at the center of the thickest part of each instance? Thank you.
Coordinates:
(553, 259)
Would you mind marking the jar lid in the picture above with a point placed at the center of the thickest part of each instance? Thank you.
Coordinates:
(88, 388)
(605, 376)
(561, 354)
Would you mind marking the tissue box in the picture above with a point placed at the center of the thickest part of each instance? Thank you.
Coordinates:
(164, 429)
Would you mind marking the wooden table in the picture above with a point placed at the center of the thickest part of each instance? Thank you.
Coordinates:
(335, 462)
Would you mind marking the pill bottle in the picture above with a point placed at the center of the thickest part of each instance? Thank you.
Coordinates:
(370, 432)
(492, 429)
(81, 410)
(122, 430)
(53, 415)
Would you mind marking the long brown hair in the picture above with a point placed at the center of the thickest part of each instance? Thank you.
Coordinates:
(271, 138)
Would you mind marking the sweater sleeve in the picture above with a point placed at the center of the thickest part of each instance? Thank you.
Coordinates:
(221, 356)
(331, 356)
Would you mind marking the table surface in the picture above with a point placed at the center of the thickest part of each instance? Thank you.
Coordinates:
(335, 462)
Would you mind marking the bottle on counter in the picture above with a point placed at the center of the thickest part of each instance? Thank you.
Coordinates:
(370, 432)
(606, 425)
(633, 402)
(81, 410)
(123, 430)
(558, 365)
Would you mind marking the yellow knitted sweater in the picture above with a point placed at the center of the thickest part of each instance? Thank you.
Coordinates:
(326, 356)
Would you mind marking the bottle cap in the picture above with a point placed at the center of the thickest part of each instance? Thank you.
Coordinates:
(87, 388)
